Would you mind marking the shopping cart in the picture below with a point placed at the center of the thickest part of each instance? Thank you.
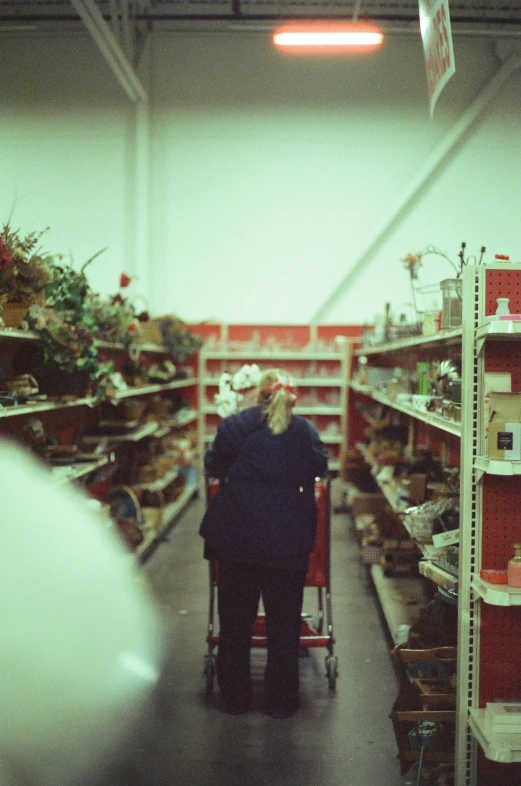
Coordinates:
(316, 630)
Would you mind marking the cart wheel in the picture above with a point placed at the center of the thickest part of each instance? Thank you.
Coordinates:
(209, 671)
(331, 670)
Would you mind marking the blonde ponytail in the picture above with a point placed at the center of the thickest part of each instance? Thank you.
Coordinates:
(277, 397)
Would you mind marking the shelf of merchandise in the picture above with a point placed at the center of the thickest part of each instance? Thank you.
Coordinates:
(146, 430)
(45, 406)
(489, 635)
(489, 647)
(443, 432)
(439, 576)
(90, 401)
(23, 335)
(160, 387)
(337, 380)
(160, 484)
(71, 472)
(399, 598)
(426, 568)
(439, 422)
(170, 512)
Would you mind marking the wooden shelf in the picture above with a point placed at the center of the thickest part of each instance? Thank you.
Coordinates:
(504, 748)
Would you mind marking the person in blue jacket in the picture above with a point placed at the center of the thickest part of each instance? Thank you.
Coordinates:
(260, 526)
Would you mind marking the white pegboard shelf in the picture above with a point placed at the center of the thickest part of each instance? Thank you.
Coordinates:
(497, 467)
(504, 748)
(496, 594)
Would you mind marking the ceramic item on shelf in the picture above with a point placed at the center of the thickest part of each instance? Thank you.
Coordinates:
(502, 306)
(514, 568)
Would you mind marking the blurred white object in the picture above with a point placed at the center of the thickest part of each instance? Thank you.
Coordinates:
(80, 638)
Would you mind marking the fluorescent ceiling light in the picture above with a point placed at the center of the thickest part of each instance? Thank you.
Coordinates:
(327, 37)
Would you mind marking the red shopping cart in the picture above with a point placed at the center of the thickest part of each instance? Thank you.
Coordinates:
(317, 628)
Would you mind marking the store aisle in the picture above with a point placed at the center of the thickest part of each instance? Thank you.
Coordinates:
(338, 738)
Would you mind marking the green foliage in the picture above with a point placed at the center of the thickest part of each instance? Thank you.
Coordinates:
(178, 339)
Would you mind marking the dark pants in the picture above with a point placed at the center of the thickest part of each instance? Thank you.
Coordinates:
(240, 588)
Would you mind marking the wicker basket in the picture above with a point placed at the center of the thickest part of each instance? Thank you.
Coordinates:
(131, 409)
(151, 332)
(153, 517)
(147, 473)
(159, 407)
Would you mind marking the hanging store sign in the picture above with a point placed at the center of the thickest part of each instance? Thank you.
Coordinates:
(437, 46)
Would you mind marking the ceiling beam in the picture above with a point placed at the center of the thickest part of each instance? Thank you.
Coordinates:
(110, 48)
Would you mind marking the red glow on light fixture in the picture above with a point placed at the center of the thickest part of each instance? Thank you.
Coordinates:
(327, 37)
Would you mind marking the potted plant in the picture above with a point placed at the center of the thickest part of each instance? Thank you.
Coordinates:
(24, 273)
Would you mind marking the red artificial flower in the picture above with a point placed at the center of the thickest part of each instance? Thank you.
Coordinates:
(132, 327)
(124, 280)
(6, 258)
(117, 299)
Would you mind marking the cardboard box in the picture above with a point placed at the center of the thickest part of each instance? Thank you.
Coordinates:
(504, 428)
(368, 502)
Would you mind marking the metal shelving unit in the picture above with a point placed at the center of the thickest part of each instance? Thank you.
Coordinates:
(489, 638)
(208, 378)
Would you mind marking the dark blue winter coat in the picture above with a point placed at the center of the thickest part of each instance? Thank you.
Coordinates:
(264, 511)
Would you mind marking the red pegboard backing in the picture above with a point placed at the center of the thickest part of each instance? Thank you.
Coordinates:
(501, 519)
(502, 283)
(492, 773)
(505, 356)
(500, 653)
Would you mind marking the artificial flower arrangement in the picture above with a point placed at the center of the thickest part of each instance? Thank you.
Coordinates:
(24, 270)
(115, 317)
(228, 399)
(67, 329)
(178, 339)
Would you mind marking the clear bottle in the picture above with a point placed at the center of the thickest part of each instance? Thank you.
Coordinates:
(514, 568)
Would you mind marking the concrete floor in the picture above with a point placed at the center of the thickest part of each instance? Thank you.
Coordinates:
(338, 738)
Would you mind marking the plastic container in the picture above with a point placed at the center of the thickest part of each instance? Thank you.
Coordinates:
(451, 312)
(514, 568)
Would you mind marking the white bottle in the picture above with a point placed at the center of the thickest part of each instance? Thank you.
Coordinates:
(502, 306)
